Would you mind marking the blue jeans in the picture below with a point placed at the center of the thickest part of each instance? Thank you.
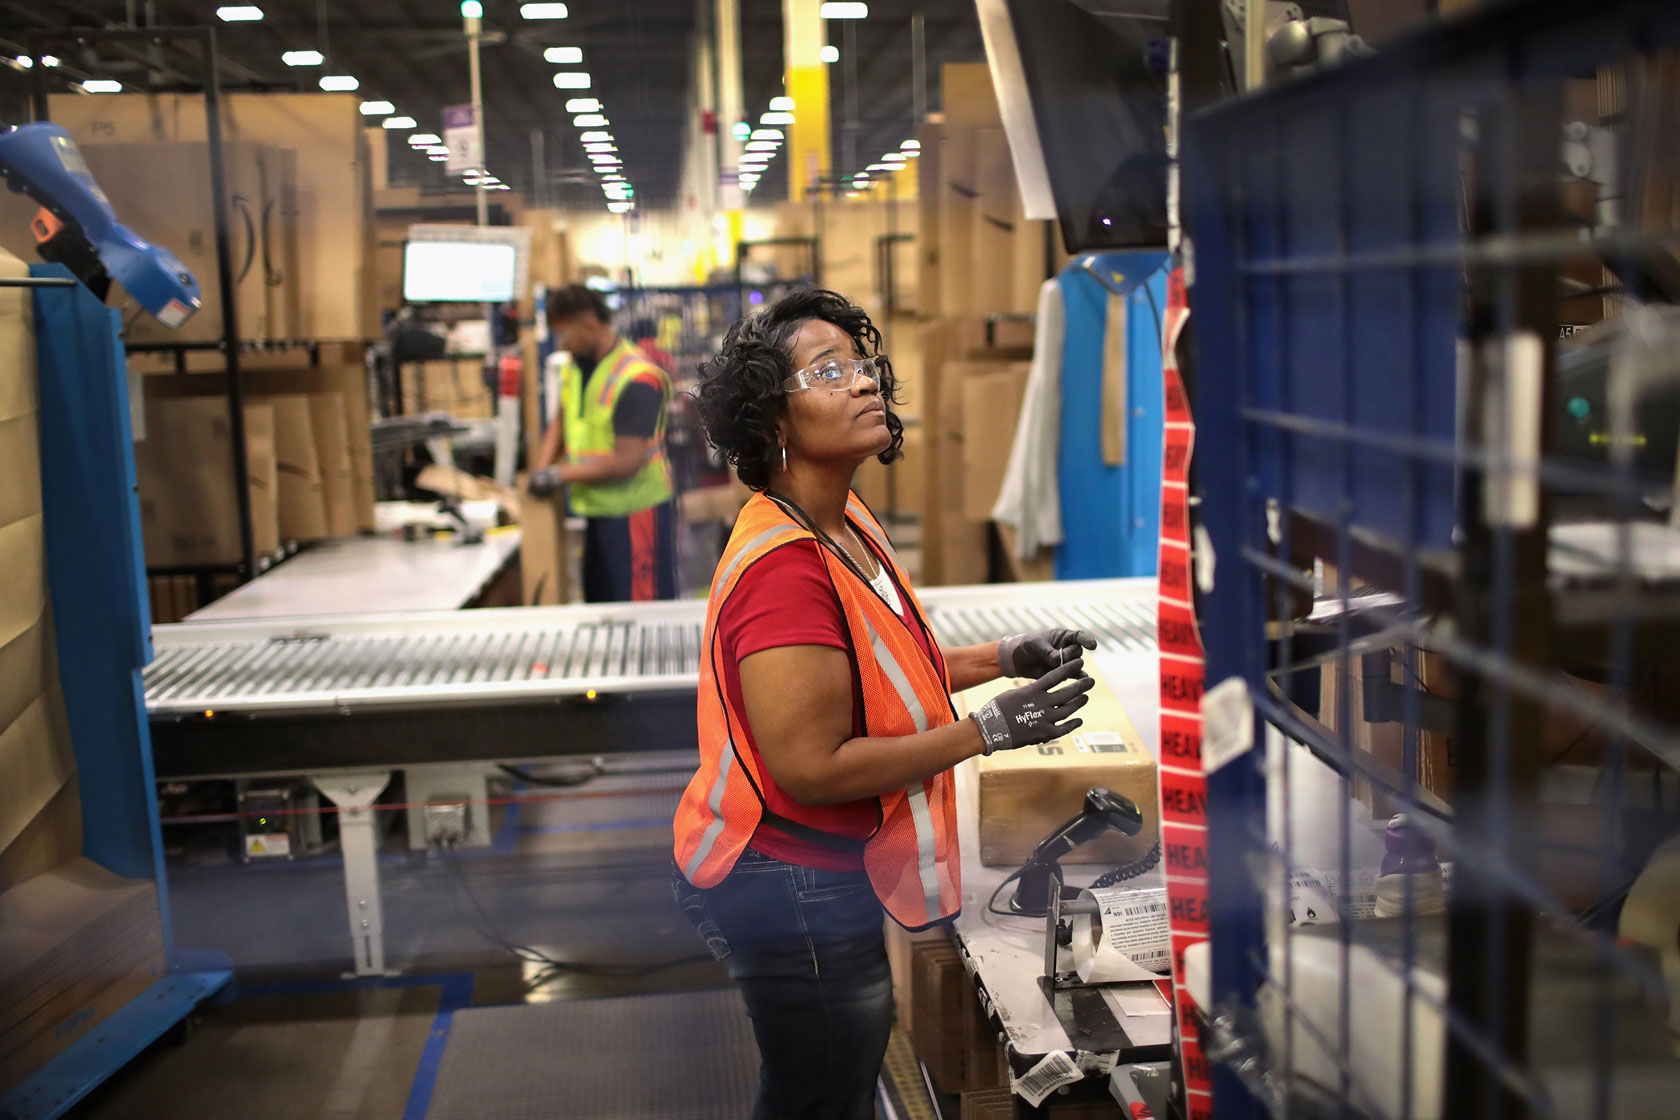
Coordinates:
(806, 948)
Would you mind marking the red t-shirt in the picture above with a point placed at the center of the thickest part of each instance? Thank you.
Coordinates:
(786, 599)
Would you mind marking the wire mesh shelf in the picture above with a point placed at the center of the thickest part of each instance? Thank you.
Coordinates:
(1437, 395)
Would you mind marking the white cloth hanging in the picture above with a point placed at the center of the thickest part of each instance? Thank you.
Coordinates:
(1030, 500)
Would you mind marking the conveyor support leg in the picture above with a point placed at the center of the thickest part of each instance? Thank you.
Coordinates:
(358, 839)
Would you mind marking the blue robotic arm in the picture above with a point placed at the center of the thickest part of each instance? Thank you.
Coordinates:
(78, 227)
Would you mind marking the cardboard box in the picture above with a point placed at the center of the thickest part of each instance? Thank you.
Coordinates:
(941, 993)
(1025, 794)
(544, 552)
(452, 385)
(299, 488)
(930, 171)
(339, 370)
(188, 512)
(901, 946)
(163, 192)
(76, 944)
(333, 192)
(991, 410)
(332, 448)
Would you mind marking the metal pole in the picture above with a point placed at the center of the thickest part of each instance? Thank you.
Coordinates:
(918, 67)
(230, 315)
(539, 175)
(474, 28)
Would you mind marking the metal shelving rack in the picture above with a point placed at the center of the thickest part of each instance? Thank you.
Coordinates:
(204, 38)
(1379, 255)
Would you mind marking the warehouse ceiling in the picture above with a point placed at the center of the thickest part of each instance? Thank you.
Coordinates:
(637, 53)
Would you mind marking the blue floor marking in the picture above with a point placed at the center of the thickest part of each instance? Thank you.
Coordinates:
(506, 832)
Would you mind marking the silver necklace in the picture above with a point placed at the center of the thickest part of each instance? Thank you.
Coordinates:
(854, 560)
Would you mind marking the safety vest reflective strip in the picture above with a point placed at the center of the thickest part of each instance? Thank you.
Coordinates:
(761, 544)
(714, 821)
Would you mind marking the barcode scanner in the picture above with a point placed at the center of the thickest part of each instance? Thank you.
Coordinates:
(1103, 809)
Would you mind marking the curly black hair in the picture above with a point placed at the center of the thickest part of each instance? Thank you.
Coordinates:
(740, 396)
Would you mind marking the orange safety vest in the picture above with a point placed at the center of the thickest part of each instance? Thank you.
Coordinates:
(911, 858)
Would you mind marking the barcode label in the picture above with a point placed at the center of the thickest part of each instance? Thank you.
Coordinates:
(1053, 1071)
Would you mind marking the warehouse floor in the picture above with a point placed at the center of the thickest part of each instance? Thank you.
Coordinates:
(579, 874)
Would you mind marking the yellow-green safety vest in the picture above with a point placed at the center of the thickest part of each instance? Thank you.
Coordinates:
(587, 412)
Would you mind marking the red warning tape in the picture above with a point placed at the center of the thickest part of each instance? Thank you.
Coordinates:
(1183, 786)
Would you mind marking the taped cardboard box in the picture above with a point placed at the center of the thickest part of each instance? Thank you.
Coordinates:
(991, 410)
(1025, 794)
(188, 512)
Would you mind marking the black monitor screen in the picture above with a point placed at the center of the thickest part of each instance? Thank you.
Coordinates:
(1099, 101)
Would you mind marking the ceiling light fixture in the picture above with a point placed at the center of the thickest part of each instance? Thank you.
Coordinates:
(543, 11)
(563, 56)
(436, 150)
(621, 207)
(24, 61)
(601, 147)
(424, 139)
(835, 9)
(761, 146)
(894, 158)
(877, 167)
(830, 54)
(571, 79)
(595, 137)
(781, 104)
(583, 105)
(102, 85)
(339, 83)
(590, 120)
(398, 122)
(439, 159)
(303, 58)
(612, 178)
(767, 134)
(911, 145)
(377, 108)
(49, 60)
(472, 9)
(776, 118)
(239, 13)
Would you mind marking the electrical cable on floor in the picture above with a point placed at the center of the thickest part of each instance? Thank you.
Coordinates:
(490, 932)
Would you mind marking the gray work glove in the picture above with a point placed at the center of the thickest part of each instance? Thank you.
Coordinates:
(1036, 712)
(1033, 655)
(544, 481)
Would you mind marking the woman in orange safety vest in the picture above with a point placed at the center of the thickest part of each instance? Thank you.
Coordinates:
(825, 794)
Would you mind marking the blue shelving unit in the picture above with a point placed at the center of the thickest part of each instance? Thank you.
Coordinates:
(96, 571)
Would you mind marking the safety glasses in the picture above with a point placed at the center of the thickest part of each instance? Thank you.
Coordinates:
(836, 374)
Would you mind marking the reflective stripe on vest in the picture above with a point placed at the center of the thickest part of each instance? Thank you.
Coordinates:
(912, 859)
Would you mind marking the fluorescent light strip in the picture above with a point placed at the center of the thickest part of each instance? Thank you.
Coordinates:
(596, 138)
(543, 11)
(583, 105)
(377, 108)
(563, 56)
(836, 9)
(102, 85)
(590, 120)
(424, 139)
(239, 13)
(339, 83)
(398, 122)
(570, 79)
(776, 118)
(303, 58)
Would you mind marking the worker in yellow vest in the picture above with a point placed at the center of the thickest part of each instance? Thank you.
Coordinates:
(607, 447)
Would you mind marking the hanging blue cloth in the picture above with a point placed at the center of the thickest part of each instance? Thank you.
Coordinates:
(1111, 515)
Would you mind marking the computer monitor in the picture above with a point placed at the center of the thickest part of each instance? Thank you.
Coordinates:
(459, 271)
(1096, 130)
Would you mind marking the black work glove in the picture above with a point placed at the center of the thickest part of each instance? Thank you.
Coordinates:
(1036, 712)
(1033, 655)
(544, 481)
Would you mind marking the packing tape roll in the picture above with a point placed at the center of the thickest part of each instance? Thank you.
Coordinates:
(1651, 916)
(1126, 941)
